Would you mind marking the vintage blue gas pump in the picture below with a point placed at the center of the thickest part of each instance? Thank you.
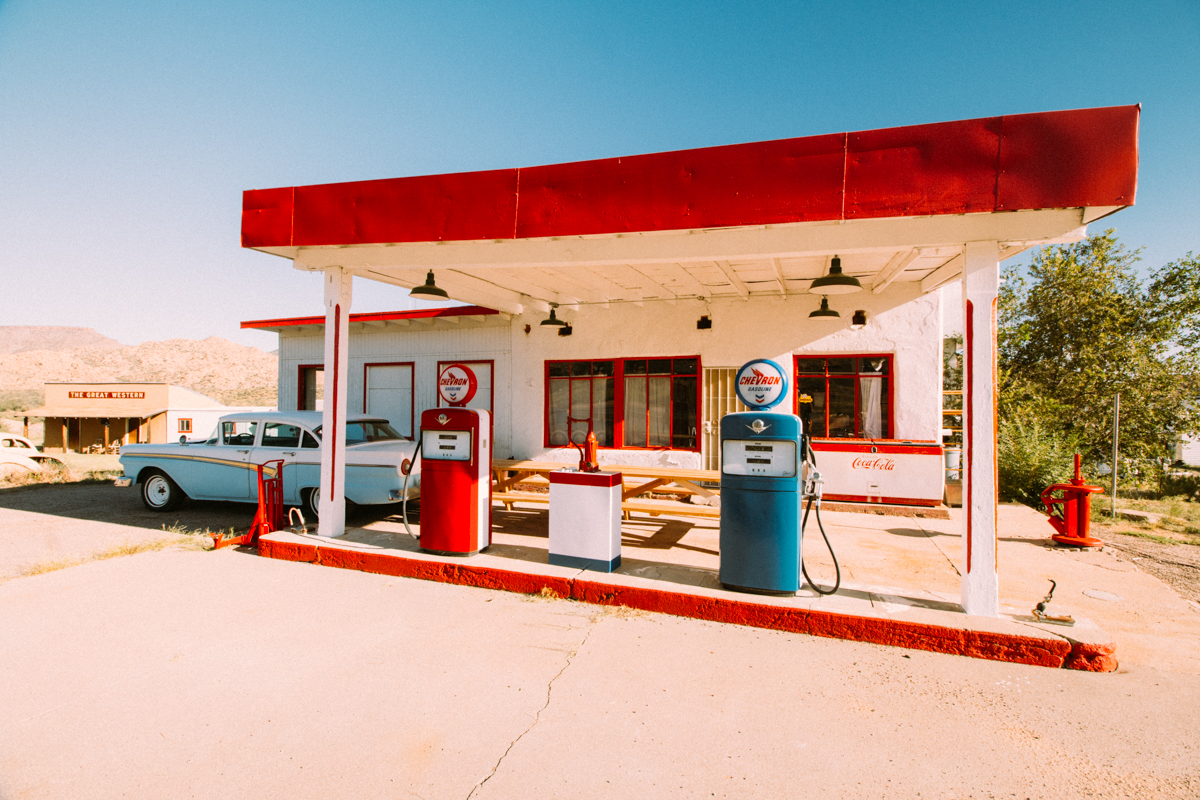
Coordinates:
(767, 471)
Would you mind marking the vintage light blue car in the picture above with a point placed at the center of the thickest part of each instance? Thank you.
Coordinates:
(225, 467)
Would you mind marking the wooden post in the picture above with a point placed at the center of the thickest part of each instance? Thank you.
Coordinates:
(981, 288)
(332, 505)
(66, 444)
(26, 433)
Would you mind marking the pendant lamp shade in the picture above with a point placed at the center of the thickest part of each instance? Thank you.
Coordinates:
(824, 312)
(428, 289)
(835, 282)
(553, 320)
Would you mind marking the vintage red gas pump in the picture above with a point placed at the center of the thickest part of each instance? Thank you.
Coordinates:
(456, 465)
(1071, 513)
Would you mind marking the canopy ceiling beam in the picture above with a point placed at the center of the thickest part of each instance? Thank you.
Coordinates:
(702, 246)
(734, 280)
(944, 274)
(898, 264)
(778, 268)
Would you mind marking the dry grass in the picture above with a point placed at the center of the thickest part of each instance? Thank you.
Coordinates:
(119, 551)
(57, 475)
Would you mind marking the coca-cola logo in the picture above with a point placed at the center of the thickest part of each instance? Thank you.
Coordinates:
(873, 462)
(457, 384)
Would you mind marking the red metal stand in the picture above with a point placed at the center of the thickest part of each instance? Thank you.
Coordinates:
(269, 517)
(1071, 513)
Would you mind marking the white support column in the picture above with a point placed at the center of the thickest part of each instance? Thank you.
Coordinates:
(981, 287)
(332, 506)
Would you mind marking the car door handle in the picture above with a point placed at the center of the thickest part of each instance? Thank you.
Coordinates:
(289, 454)
(243, 451)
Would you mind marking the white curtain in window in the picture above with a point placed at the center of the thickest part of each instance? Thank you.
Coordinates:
(635, 412)
(870, 409)
(599, 407)
(559, 398)
(581, 409)
(660, 412)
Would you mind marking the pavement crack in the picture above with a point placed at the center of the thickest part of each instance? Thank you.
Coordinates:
(537, 717)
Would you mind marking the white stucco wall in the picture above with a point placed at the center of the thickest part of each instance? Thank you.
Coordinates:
(425, 347)
(900, 322)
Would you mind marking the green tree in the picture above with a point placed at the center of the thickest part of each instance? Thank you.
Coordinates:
(1079, 326)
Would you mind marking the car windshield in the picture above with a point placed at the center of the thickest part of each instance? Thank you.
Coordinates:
(371, 430)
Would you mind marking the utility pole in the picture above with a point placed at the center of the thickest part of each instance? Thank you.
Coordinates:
(1116, 433)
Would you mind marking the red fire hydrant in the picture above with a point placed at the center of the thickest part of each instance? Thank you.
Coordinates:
(1071, 514)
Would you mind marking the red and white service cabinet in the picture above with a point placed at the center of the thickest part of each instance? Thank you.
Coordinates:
(881, 471)
(456, 486)
(585, 519)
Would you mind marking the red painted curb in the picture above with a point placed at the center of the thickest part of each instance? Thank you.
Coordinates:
(891, 632)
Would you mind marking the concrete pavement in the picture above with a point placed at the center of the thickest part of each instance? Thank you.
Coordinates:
(222, 674)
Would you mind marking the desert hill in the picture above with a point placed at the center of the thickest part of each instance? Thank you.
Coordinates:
(219, 368)
(27, 338)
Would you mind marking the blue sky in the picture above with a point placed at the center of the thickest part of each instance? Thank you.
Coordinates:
(129, 130)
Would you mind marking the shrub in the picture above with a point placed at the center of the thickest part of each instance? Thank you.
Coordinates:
(1030, 457)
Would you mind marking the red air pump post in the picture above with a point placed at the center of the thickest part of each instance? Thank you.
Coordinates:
(1071, 513)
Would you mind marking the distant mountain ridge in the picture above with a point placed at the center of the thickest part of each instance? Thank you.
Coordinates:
(29, 338)
(224, 370)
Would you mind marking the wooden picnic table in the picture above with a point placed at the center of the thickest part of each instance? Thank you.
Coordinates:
(509, 473)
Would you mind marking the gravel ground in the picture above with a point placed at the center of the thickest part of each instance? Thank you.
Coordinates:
(1177, 565)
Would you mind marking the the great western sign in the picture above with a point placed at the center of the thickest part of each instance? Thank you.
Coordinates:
(106, 395)
(762, 384)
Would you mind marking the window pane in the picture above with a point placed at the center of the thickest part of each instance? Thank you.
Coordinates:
(635, 412)
(635, 367)
(684, 366)
(660, 366)
(581, 408)
(558, 369)
(604, 397)
(683, 413)
(810, 366)
(814, 387)
(603, 368)
(581, 369)
(870, 408)
(277, 434)
(873, 365)
(309, 441)
(841, 365)
(659, 434)
(560, 389)
(885, 411)
(841, 407)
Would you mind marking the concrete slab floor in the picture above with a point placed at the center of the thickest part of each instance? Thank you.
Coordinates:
(902, 568)
(222, 674)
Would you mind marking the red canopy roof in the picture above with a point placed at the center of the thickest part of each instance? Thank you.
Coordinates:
(1059, 159)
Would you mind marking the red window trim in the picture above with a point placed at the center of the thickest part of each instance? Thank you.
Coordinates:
(300, 383)
(891, 390)
(619, 401)
(182, 420)
(412, 406)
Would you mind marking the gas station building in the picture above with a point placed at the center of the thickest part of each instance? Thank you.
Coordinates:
(672, 269)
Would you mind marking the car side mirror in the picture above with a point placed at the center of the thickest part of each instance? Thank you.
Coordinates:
(183, 439)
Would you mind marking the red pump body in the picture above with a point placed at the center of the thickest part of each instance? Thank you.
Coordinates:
(456, 486)
(1071, 513)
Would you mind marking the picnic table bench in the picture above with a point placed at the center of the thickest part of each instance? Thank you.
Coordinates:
(635, 482)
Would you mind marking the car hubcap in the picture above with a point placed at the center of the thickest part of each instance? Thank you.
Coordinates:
(157, 491)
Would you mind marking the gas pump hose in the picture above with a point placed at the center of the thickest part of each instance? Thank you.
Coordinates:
(815, 495)
(837, 581)
(404, 491)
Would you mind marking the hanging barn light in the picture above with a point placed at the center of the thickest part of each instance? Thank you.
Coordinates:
(428, 289)
(836, 282)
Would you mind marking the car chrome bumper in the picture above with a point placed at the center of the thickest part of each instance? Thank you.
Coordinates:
(123, 482)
